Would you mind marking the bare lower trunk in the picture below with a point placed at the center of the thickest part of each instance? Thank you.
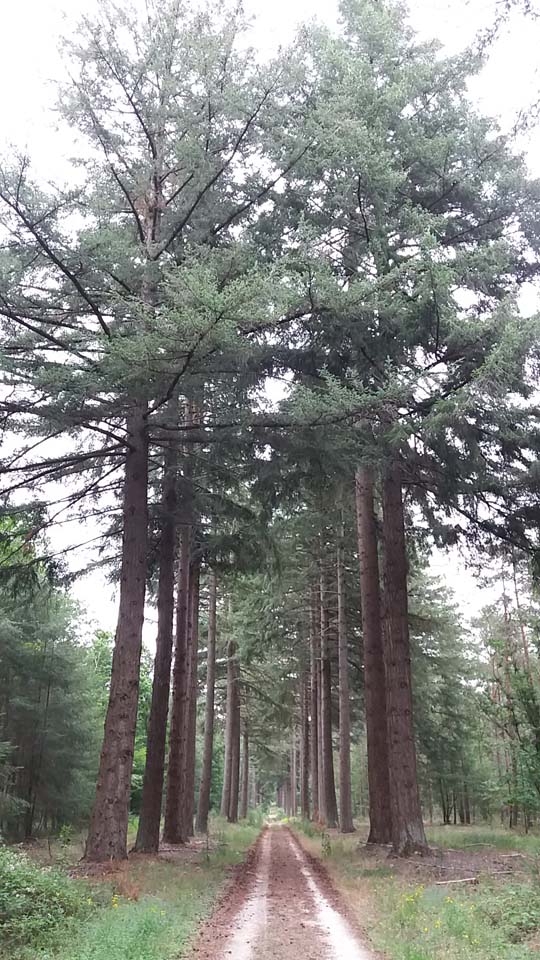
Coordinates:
(314, 710)
(208, 749)
(374, 673)
(150, 817)
(304, 747)
(191, 704)
(320, 766)
(235, 748)
(407, 827)
(172, 830)
(245, 772)
(329, 784)
(293, 771)
(107, 836)
(229, 722)
(524, 640)
(253, 789)
(345, 798)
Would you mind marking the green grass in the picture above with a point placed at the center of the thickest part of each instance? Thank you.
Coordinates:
(173, 899)
(495, 920)
(477, 837)
(341, 851)
(484, 923)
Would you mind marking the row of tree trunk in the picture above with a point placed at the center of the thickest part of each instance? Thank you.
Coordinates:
(312, 751)
(231, 772)
(394, 800)
(395, 812)
(178, 635)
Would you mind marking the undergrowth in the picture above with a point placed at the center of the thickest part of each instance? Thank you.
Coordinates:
(475, 838)
(46, 915)
(494, 920)
(36, 901)
(429, 923)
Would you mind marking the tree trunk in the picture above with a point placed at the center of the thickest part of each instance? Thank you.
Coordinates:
(191, 703)
(512, 730)
(430, 802)
(408, 833)
(294, 773)
(229, 723)
(329, 784)
(314, 710)
(320, 765)
(524, 640)
(152, 794)
(208, 749)
(253, 788)
(107, 836)
(467, 804)
(304, 747)
(172, 830)
(445, 807)
(235, 749)
(374, 673)
(245, 772)
(461, 808)
(345, 798)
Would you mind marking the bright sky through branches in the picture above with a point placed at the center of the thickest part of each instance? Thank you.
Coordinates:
(30, 63)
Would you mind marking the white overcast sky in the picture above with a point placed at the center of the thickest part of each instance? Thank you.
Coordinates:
(29, 64)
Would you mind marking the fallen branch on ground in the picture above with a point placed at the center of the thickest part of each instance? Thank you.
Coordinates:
(439, 883)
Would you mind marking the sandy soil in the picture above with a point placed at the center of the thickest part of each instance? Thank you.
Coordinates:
(281, 907)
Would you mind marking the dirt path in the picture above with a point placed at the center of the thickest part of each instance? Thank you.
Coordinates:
(282, 909)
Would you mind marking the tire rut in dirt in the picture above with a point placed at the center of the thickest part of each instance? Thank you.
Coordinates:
(282, 907)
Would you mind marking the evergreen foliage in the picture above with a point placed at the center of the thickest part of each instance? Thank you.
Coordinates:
(340, 221)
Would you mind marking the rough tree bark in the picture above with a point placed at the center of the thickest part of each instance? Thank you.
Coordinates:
(229, 721)
(107, 836)
(253, 788)
(320, 765)
(374, 673)
(172, 829)
(235, 747)
(188, 772)
(345, 797)
(208, 748)
(304, 746)
(408, 834)
(294, 772)
(245, 772)
(314, 711)
(329, 783)
(152, 794)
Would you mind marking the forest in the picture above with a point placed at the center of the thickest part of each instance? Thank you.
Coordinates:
(266, 356)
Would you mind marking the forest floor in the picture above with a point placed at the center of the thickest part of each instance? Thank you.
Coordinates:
(476, 896)
(282, 907)
(149, 908)
(291, 891)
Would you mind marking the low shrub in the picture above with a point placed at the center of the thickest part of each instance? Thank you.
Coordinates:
(255, 817)
(34, 900)
(514, 909)
(309, 828)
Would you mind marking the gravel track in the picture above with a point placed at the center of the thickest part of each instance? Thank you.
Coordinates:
(280, 907)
